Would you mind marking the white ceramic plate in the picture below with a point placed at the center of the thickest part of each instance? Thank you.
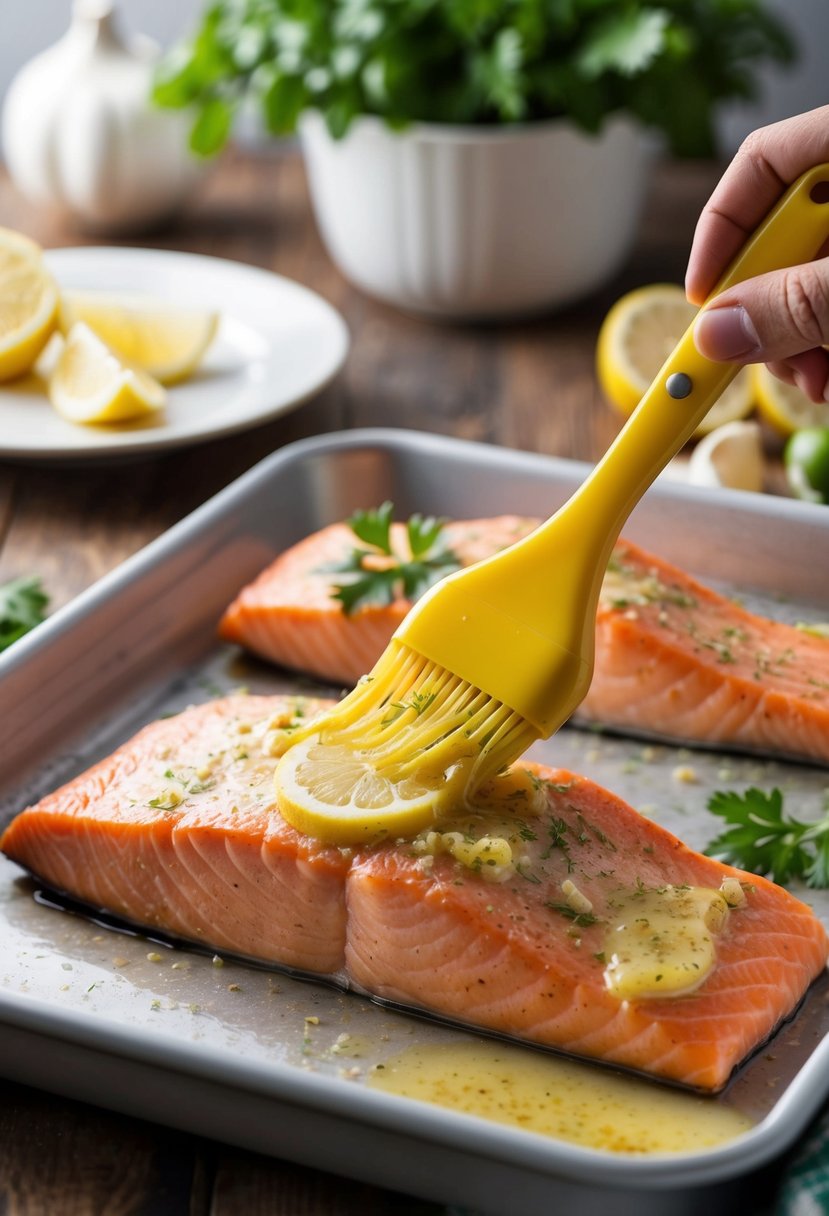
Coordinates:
(277, 344)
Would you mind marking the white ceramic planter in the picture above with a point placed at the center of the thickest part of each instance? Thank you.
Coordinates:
(475, 221)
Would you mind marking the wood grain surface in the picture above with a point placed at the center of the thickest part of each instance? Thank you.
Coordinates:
(527, 385)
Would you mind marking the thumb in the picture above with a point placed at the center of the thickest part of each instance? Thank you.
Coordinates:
(769, 318)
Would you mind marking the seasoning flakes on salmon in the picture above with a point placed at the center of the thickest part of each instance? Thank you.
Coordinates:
(675, 658)
(177, 831)
(551, 912)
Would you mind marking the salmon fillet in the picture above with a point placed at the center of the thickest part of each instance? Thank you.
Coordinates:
(676, 658)
(672, 657)
(288, 614)
(178, 831)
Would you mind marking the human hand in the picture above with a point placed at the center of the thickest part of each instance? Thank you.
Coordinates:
(781, 318)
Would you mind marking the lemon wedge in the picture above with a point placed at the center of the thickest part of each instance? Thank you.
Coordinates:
(635, 339)
(28, 303)
(166, 342)
(90, 384)
(784, 406)
(730, 456)
(329, 791)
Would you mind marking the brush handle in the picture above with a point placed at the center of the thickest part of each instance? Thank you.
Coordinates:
(688, 384)
(521, 625)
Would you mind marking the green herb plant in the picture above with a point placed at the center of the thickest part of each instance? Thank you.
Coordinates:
(379, 575)
(666, 62)
(22, 606)
(763, 839)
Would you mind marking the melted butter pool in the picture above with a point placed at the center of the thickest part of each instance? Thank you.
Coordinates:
(662, 942)
(559, 1098)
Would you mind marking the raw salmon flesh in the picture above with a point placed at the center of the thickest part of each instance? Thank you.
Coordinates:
(178, 831)
(673, 658)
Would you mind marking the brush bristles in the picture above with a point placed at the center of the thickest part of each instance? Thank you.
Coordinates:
(411, 718)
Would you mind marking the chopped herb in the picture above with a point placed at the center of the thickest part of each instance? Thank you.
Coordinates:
(582, 919)
(557, 830)
(420, 702)
(600, 956)
(598, 833)
(22, 604)
(163, 804)
(724, 653)
(379, 575)
(764, 840)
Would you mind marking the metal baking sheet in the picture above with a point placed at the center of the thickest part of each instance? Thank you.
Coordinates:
(224, 1048)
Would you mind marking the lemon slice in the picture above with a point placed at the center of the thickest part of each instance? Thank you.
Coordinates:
(166, 342)
(90, 384)
(635, 339)
(331, 792)
(28, 303)
(784, 406)
(730, 456)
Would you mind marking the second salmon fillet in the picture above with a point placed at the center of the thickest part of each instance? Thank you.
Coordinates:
(673, 658)
(529, 915)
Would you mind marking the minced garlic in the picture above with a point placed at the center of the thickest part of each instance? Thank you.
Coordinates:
(732, 892)
(576, 899)
(490, 856)
(684, 774)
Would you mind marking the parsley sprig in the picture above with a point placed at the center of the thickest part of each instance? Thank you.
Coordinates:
(763, 839)
(379, 575)
(22, 606)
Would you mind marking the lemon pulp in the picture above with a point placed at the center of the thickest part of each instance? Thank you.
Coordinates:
(784, 406)
(636, 337)
(336, 794)
(90, 384)
(166, 342)
(28, 304)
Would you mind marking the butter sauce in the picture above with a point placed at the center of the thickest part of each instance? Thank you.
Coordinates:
(559, 1098)
(661, 941)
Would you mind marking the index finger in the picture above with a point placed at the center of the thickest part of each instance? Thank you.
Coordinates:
(765, 165)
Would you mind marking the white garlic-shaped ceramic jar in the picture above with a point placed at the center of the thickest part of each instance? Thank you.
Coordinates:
(79, 129)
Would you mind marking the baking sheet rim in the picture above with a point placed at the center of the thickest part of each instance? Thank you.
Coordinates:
(775, 1132)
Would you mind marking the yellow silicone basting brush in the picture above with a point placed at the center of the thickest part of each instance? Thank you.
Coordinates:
(500, 654)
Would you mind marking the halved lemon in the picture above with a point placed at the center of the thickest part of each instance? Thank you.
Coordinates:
(635, 339)
(90, 384)
(336, 795)
(28, 303)
(784, 406)
(166, 342)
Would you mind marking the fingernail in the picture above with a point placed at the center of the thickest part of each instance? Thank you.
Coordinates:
(726, 333)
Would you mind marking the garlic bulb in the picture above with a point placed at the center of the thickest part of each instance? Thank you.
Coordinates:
(79, 130)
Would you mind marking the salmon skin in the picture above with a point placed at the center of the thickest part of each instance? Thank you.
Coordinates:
(499, 918)
(673, 658)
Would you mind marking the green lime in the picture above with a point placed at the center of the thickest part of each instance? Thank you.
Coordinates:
(806, 457)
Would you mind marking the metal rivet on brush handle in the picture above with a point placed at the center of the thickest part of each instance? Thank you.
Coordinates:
(679, 385)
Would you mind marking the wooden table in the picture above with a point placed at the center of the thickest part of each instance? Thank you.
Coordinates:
(529, 385)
